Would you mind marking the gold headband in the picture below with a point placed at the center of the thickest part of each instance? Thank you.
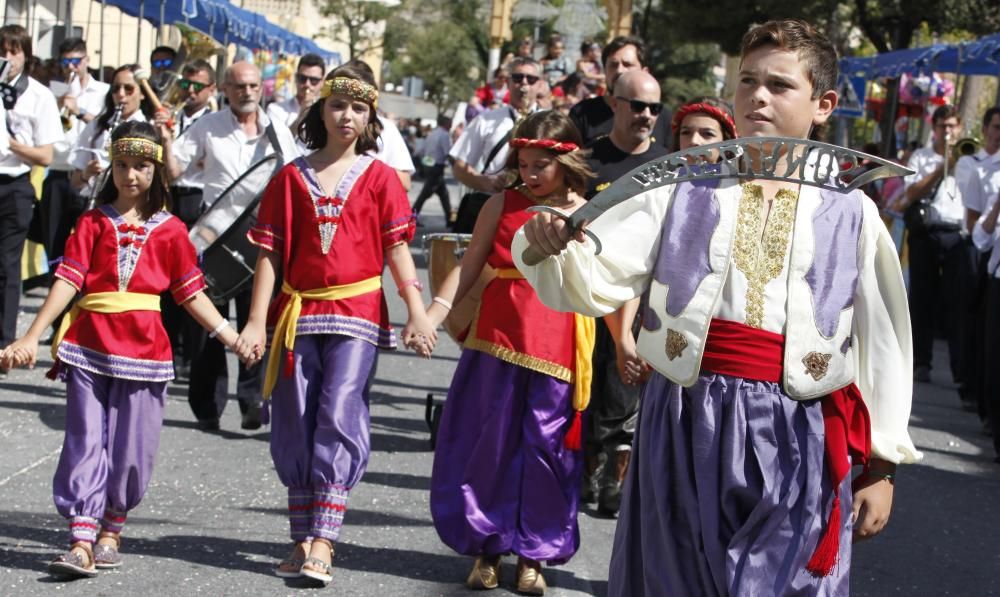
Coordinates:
(136, 147)
(358, 90)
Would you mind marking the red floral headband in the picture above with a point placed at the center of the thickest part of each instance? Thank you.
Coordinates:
(550, 144)
(721, 115)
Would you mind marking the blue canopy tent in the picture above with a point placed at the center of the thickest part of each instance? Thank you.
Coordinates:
(225, 23)
(979, 57)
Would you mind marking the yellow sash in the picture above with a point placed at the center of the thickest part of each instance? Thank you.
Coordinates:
(584, 335)
(288, 321)
(105, 302)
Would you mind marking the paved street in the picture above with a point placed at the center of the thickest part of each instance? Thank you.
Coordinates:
(213, 521)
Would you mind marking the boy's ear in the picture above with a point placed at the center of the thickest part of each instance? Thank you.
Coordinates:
(827, 103)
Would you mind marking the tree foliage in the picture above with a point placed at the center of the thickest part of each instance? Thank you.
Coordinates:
(444, 57)
(360, 23)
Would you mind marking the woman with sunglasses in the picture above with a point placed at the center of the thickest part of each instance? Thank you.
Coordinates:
(90, 155)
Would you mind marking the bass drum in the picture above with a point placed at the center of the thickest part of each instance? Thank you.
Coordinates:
(220, 234)
(444, 251)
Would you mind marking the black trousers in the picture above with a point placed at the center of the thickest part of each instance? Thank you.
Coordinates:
(974, 339)
(61, 207)
(183, 331)
(942, 276)
(434, 183)
(17, 202)
(991, 389)
(208, 390)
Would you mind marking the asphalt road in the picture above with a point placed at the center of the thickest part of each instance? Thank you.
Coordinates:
(213, 520)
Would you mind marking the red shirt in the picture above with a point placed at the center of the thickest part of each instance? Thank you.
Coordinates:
(106, 254)
(512, 323)
(330, 239)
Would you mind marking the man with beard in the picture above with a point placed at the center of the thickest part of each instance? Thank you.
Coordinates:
(480, 153)
(594, 116)
(223, 145)
(635, 104)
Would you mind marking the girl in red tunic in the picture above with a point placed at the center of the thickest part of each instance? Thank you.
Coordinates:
(329, 223)
(507, 463)
(112, 348)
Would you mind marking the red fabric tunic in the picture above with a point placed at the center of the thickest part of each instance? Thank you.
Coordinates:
(513, 324)
(106, 254)
(334, 239)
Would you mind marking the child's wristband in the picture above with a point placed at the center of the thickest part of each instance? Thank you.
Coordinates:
(444, 303)
(411, 282)
(218, 329)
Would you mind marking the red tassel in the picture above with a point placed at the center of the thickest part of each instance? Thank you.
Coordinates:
(573, 441)
(53, 373)
(289, 363)
(825, 557)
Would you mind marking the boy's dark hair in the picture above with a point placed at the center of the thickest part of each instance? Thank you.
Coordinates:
(312, 131)
(104, 120)
(163, 50)
(197, 66)
(988, 116)
(812, 47)
(159, 192)
(72, 44)
(620, 42)
(944, 113)
(16, 36)
(552, 124)
(311, 60)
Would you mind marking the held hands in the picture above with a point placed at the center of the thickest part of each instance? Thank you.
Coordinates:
(249, 346)
(631, 368)
(873, 501)
(420, 335)
(23, 352)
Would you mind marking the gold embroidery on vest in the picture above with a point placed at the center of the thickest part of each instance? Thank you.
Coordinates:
(816, 364)
(762, 259)
(676, 343)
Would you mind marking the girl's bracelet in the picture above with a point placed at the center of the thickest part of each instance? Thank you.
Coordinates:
(218, 329)
(444, 303)
(411, 282)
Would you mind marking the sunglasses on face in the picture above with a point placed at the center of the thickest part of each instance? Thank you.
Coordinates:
(302, 79)
(74, 61)
(522, 77)
(188, 84)
(639, 106)
(128, 87)
(163, 63)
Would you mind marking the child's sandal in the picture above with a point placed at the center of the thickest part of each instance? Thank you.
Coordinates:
(320, 571)
(106, 556)
(74, 565)
(291, 567)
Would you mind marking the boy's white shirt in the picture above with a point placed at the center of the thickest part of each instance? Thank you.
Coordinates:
(879, 358)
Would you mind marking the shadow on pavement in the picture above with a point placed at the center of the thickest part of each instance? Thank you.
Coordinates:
(52, 415)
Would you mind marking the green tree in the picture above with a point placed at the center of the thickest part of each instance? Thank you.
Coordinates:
(443, 56)
(361, 24)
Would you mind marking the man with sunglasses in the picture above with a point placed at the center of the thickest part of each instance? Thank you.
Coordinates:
(308, 82)
(614, 394)
(594, 116)
(81, 99)
(481, 152)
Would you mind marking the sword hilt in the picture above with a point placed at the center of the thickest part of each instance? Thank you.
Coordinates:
(532, 256)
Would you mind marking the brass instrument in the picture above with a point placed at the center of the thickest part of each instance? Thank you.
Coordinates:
(966, 146)
(101, 178)
(64, 115)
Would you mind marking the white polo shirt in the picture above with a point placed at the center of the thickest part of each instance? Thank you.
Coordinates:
(90, 99)
(224, 152)
(392, 148)
(33, 121)
(95, 145)
(978, 178)
(481, 136)
(947, 204)
(192, 177)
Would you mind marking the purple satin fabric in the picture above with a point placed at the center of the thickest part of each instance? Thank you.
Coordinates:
(502, 481)
(112, 435)
(320, 425)
(687, 231)
(833, 276)
(725, 494)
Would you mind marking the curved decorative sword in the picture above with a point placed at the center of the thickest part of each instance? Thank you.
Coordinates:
(799, 161)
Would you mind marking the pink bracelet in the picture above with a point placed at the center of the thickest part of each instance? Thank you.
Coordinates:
(411, 282)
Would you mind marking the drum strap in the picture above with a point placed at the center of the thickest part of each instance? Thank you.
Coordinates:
(105, 302)
(284, 331)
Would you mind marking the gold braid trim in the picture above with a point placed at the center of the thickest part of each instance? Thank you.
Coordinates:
(513, 357)
(137, 147)
(354, 88)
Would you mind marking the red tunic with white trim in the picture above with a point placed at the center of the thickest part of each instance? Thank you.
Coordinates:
(331, 239)
(106, 254)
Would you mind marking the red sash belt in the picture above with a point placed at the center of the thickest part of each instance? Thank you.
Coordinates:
(750, 353)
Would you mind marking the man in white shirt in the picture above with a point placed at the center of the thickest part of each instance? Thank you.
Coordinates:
(32, 122)
(480, 153)
(941, 255)
(224, 145)
(979, 180)
(80, 98)
(308, 82)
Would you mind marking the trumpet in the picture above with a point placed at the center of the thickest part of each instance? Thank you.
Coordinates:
(101, 178)
(64, 115)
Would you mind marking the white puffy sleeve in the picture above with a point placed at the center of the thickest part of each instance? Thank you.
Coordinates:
(596, 285)
(884, 348)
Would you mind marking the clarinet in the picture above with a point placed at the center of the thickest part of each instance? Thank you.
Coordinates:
(101, 178)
